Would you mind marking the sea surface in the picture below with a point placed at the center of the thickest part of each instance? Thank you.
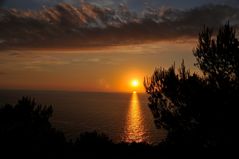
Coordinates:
(122, 116)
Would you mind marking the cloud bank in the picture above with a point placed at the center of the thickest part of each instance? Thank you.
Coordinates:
(136, 5)
(67, 26)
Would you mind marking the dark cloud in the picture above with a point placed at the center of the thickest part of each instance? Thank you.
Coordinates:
(22, 4)
(2, 2)
(67, 26)
(231, 2)
(136, 5)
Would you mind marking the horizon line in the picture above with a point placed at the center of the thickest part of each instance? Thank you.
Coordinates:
(62, 90)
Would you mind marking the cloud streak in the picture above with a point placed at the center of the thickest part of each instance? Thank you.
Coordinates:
(66, 26)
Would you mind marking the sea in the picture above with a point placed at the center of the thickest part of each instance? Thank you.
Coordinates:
(122, 116)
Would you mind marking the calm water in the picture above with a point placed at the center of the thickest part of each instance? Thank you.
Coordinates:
(122, 116)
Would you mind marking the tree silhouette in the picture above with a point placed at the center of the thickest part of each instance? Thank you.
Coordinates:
(25, 129)
(218, 58)
(174, 103)
(199, 112)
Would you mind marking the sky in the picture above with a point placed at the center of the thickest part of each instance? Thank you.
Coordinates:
(110, 70)
(100, 45)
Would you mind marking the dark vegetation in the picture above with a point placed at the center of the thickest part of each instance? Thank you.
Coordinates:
(199, 113)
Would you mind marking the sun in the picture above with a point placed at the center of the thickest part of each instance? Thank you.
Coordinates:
(135, 83)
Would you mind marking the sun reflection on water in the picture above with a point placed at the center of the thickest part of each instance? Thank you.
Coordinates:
(134, 128)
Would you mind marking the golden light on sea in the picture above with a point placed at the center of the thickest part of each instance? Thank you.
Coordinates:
(134, 128)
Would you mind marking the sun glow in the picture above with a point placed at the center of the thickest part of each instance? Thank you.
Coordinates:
(135, 83)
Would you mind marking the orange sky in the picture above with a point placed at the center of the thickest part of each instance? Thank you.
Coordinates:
(107, 70)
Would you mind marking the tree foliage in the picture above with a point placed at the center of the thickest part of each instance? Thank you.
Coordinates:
(25, 129)
(199, 111)
(173, 101)
(218, 58)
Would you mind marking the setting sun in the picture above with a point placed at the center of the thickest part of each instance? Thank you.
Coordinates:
(135, 83)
